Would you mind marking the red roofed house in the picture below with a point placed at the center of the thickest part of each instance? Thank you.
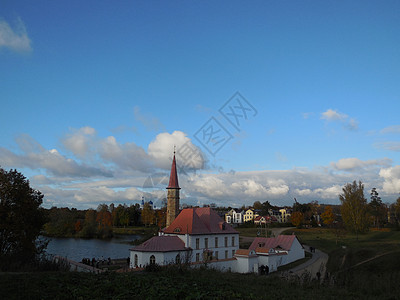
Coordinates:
(198, 235)
(194, 235)
(278, 251)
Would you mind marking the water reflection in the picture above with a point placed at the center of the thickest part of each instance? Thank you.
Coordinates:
(77, 249)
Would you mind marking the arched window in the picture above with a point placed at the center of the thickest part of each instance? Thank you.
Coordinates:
(178, 259)
(152, 260)
(136, 261)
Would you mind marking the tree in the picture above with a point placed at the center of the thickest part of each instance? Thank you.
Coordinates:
(89, 229)
(21, 219)
(257, 205)
(148, 214)
(104, 221)
(376, 208)
(328, 217)
(297, 218)
(354, 207)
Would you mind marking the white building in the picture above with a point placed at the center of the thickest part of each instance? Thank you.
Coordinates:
(234, 216)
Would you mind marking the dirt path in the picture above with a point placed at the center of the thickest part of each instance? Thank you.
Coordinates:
(314, 265)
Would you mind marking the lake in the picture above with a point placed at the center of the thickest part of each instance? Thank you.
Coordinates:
(76, 249)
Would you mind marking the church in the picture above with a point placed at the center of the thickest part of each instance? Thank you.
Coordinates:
(199, 236)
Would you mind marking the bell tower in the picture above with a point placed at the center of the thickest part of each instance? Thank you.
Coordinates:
(172, 194)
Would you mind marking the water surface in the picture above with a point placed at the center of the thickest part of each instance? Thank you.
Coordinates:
(76, 249)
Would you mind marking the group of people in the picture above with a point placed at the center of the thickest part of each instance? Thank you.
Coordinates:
(96, 262)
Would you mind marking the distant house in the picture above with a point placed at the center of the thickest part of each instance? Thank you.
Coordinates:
(234, 216)
(285, 214)
(261, 220)
(276, 214)
(249, 215)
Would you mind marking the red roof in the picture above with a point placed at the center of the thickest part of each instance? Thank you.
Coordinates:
(173, 177)
(161, 243)
(244, 252)
(199, 220)
(283, 241)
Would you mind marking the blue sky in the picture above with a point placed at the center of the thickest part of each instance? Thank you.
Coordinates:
(95, 94)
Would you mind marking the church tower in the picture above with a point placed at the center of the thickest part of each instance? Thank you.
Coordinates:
(173, 194)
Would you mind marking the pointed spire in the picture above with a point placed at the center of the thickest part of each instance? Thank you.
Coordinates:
(173, 177)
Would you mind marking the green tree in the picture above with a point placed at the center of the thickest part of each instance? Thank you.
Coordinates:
(89, 229)
(377, 209)
(21, 220)
(354, 207)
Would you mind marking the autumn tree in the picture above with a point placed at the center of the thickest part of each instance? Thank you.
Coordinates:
(354, 207)
(21, 219)
(148, 214)
(328, 217)
(104, 221)
(297, 218)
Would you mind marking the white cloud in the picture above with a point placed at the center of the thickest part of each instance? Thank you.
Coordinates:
(80, 141)
(333, 115)
(14, 39)
(353, 163)
(391, 146)
(391, 176)
(52, 161)
(128, 156)
(391, 129)
(188, 155)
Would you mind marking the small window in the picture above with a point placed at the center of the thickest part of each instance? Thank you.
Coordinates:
(226, 241)
(216, 242)
(226, 253)
(197, 257)
(152, 260)
(233, 253)
(206, 243)
(216, 254)
(233, 241)
(197, 243)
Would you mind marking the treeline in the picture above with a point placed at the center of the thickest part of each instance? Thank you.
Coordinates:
(99, 223)
(355, 213)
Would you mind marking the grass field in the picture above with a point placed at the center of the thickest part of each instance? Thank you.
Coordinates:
(166, 284)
